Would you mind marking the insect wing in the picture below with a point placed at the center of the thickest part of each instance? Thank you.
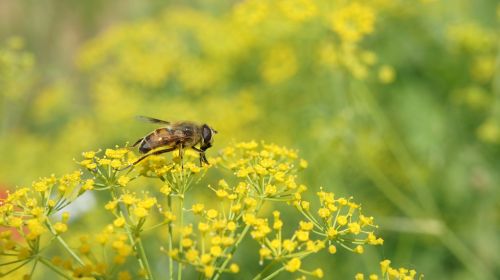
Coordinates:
(151, 120)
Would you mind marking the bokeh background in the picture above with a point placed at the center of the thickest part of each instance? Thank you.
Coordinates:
(394, 102)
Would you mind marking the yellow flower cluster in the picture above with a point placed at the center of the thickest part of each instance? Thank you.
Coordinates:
(263, 173)
(340, 221)
(389, 273)
(91, 262)
(28, 214)
(353, 21)
(270, 171)
(207, 244)
(274, 30)
(112, 160)
(480, 45)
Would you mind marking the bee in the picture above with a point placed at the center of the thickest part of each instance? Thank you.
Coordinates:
(175, 136)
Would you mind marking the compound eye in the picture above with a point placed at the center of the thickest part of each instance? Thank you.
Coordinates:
(206, 133)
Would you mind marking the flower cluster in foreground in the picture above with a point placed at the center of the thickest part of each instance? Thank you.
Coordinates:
(200, 237)
(389, 273)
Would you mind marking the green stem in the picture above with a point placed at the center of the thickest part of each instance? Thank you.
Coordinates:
(137, 245)
(33, 269)
(240, 239)
(63, 243)
(268, 266)
(170, 233)
(54, 268)
(181, 224)
(276, 272)
(143, 256)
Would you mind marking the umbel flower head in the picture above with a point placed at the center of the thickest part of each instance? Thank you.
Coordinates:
(203, 236)
(390, 273)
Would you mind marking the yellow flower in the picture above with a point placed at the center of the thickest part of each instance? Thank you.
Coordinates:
(264, 252)
(187, 230)
(128, 199)
(215, 251)
(270, 190)
(140, 212)
(124, 275)
(147, 203)
(166, 190)
(203, 227)
(15, 222)
(250, 202)
(298, 10)
(115, 163)
(359, 276)
(89, 155)
(354, 228)
(342, 220)
(115, 154)
(60, 227)
(302, 235)
(278, 224)
(386, 74)
(123, 180)
(234, 268)
(35, 229)
(205, 258)
(119, 222)
(223, 184)
(221, 193)
(227, 241)
(353, 21)
(88, 185)
(304, 204)
(293, 265)
(186, 242)
(332, 249)
(40, 186)
(231, 226)
(331, 232)
(215, 240)
(192, 255)
(324, 213)
(236, 207)
(220, 224)
(384, 265)
(318, 273)
(242, 173)
(359, 249)
(212, 213)
(209, 271)
(289, 245)
(307, 226)
(111, 205)
(169, 216)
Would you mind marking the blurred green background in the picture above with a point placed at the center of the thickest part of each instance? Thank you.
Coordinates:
(394, 102)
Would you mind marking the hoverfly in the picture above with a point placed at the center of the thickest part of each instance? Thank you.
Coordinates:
(173, 136)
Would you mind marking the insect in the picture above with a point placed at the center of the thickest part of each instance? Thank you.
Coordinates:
(173, 136)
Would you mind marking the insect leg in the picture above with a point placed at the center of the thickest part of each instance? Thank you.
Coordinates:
(158, 152)
(201, 153)
(203, 158)
(181, 155)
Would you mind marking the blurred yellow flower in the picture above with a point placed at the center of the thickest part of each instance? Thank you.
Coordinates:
(353, 21)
